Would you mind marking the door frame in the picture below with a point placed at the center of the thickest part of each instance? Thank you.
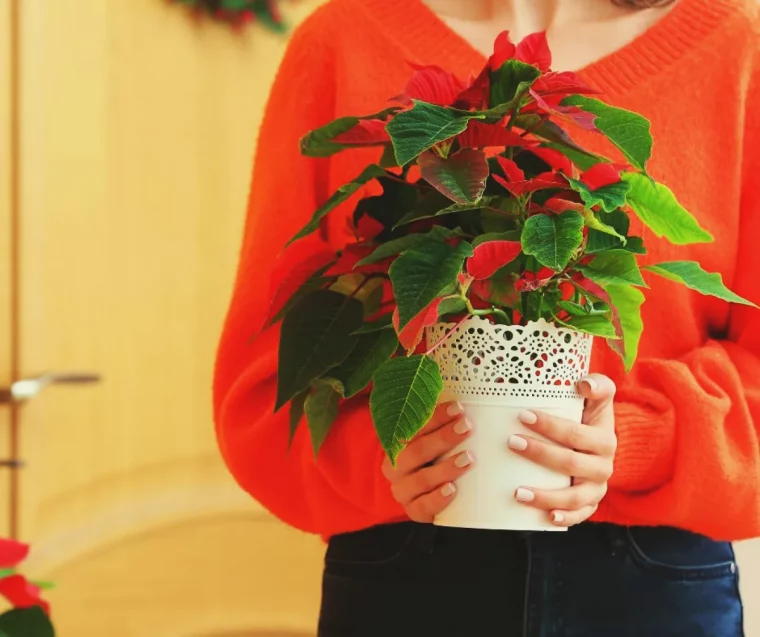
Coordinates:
(9, 200)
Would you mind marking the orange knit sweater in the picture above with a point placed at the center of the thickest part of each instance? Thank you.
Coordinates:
(687, 417)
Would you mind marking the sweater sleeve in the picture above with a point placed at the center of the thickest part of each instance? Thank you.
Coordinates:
(689, 429)
(344, 489)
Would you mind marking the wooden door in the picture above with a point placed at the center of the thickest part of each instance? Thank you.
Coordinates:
(135, 134)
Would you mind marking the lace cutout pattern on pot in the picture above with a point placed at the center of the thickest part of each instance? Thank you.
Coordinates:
(538, 360)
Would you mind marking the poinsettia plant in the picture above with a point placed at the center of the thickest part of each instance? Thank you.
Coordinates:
(486, 207)
(28, 616)
(240, 12)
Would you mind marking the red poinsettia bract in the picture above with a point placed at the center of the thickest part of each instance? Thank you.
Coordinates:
(12, 553)
(14, 587)
(491, 256)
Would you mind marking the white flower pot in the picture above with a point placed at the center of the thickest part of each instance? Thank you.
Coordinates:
(495, 371)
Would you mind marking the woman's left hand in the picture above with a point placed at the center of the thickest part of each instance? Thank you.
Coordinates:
(586, 453)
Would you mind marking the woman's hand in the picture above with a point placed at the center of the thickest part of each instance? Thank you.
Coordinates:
(422, 488)
(587, 454)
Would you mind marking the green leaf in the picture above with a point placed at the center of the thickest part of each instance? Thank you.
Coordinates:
(605, 230)
(383, 323)
(427, 206)
(371, 351)
(423, 126)
(614, 266)
(375, 289)
(421, 275)
(321, 409)
(343, 193)
(576, 309)
(627, 130)
(319, 142)
(7, 572)
(314, 282)
(658, 208)
(510, 235)
(370, 293)
(461, 177)
(296, 413)
(581, 158)
(26, 622)
(594, 324)
(403, 398)
(592, 221)
(427, 212)
(556, 137)
(398, 199)
(553, 239)
(453, 305)
(609, 197)
(510, 82)
(388, 158)
(317, 334)
(235, 5)
(408, 242)
(627, 301)
(694, 277)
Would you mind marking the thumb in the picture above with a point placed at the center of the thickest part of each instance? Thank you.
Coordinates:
(599, 392)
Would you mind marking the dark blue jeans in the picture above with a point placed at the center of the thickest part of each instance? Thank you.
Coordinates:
(416, 580)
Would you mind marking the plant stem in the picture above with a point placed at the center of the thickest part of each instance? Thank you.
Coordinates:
(512, 116)
(503, 314)
(360, 286)
(529, 131)
(484, 312)
(446, 336)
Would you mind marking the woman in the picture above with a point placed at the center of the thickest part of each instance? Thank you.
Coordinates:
(654, 560)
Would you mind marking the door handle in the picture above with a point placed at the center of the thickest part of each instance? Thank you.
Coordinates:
(25, 389)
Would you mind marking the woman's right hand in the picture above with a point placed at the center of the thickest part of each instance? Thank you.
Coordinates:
(419, 482)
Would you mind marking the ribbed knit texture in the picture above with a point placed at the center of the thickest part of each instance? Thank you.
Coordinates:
(687, 416)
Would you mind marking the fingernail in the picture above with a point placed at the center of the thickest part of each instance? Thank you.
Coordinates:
(592, 383)
(557, 518)
(448, 490)
(518, 443)
(462, 427)
(455, 409)
(464, 460)
(527, 417)
(524, 495)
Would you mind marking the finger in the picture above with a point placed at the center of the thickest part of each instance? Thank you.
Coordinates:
(570, 499)
(565, 461)
(426, 507)
(599, 392)
(429, 479)
(571, 518)
(443, 415)
(574, 435)
(428, 448)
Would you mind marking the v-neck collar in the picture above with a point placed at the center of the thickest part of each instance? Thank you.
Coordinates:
(424, 36)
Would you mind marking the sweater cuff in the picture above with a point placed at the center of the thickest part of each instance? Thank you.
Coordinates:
(646, 447)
